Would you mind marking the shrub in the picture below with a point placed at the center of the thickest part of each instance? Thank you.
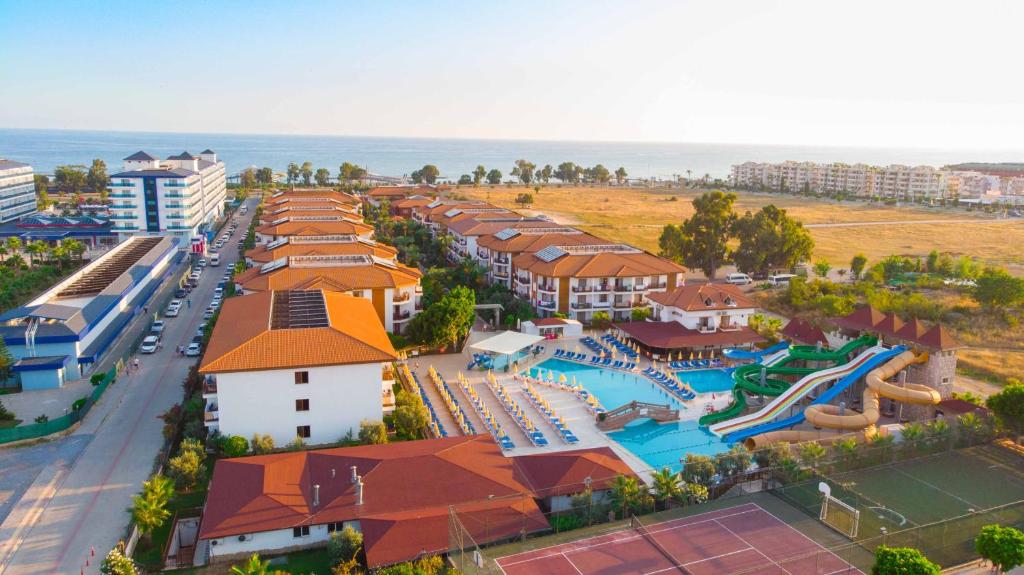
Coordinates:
(42, 418)
(5, 414)
(79, 404)
(344, 545)
(235, 446)
(186, 468)
(97, 378)
(372, 432)
(902, 561)
(261, 444)
(1003, 546)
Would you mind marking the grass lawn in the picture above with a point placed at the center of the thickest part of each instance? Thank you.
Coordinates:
(636, 216)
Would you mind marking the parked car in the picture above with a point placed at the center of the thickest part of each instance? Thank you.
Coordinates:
(202, 263)
(739, 279)
(172, 311)
(217, 293)
(780, 279)
(150, 344)
(194, 349)
(157, 327)
(209, 313)
(180, 292)
(197, 339)
(201, 331)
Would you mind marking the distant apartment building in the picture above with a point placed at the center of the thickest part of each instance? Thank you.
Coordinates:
(17, 191)
(180, 196)
(888, 182)
(306, 363)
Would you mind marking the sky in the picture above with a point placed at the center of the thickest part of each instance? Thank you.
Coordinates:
(857, 73)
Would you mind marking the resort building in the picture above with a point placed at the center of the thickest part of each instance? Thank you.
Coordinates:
(554, 478)
(92, 231)
(319, 225)
(801, 332)
(307, 363)
(888, 182)
(581, 280)
(375, 196)
(17, 190)
(498, 251)
(695, 318)
(399, 496)
(404, 208)
(180, 196)
(392, 288)
(318, 246)
(439, 213)
(59, 335)
(314, 196)
(466, 231)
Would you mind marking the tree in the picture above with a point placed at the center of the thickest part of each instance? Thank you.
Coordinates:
(373, 432)
(546, 172)
(293, 172)
(524, 171)
(465, 180)
(346, 171)
(620, 175)
(307, 172)
(447, 320)
(666, 485)
(600, 320)
(254, 566)
(322, 176)
(769, 240)
(74, 248)
(427, 173)
(821, 268)
(6, 414)
(97, 177)
(187, 468)
(248, 180)
(701, 242)
(640, 313)
(478, 175)
(149, 508)
(344, 545)
(494, 177)
(69, 179)
(261, 444)
(567, 172)
(698, 469)
(857, 265)
(410, 416)
(902, 561)
(524, 199)
(1002, 546)
(1008, 405)
(42, 183)
(235, 446)
(599, 174)
(265, 176)
(811, 453)
(624, 495)
(996, 289)
(117, 563)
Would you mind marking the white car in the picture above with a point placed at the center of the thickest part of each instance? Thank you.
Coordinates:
(172, 311)
(193, 349)
(209, 313)
(149, 344)
(157, 327)
(202, 263)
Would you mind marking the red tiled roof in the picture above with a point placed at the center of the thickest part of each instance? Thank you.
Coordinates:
(408, 489)
(566, 472)
(889, 325)
(863, 318)
(867, 318)
(695, 297)
(546, 321)
(672, 335)
(913, 330)
(938, 338)
(802, 331)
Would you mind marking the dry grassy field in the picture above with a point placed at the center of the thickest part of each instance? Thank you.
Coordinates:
(636, 216)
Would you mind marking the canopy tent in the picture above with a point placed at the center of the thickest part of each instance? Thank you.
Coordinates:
(507, 347)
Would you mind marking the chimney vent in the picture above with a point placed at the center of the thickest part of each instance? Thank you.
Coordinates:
(355, 474)
(359, 492)
(316, 495)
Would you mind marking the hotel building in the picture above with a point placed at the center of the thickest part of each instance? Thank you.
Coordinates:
(180, 196)
(17, 191)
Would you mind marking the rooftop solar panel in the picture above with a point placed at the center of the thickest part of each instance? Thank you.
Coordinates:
(550, 253)
(298, 309)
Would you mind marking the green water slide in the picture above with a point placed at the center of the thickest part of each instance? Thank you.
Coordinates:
(748, 379)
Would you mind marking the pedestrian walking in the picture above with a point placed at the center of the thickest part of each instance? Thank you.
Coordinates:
(136, 364)
(189, 302)
(145, 309)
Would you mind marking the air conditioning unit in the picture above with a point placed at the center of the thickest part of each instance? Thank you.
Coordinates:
(243, 537)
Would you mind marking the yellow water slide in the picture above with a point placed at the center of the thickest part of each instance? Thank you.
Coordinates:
(828, 417)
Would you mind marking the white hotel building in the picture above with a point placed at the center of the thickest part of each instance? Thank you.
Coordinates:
(179, 196)
(17, 191)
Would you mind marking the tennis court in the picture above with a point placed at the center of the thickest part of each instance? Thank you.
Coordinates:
(745, 539)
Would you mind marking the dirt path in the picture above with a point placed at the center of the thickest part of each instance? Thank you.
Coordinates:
(904, 223)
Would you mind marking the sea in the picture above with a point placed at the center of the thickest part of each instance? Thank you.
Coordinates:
(46, 149)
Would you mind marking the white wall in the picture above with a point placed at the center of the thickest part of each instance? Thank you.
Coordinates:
(691, 319)
(264, 402)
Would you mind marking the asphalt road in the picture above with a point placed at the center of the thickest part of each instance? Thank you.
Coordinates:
(83, 483)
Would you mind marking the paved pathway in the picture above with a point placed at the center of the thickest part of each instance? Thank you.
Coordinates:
(78, 502)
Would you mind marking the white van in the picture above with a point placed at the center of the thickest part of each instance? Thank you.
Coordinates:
(780, 279)
(215, 260)
(739, 279)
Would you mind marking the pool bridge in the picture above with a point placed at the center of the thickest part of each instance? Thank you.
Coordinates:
(620, 416)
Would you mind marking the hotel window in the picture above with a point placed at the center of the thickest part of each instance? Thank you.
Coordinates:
(302, 431)
(336, 526)
(300, 531)
(301, 405)
(301, 377)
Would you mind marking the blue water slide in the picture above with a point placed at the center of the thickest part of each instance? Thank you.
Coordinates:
(851, 378)
(743, 354)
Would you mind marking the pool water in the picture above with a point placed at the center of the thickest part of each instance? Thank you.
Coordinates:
(658, 445)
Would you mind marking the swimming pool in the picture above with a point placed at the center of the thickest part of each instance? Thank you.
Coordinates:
(658, 445)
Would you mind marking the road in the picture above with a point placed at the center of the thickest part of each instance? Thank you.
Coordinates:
(77, 502)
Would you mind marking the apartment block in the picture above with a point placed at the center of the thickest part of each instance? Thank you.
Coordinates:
(17, 191)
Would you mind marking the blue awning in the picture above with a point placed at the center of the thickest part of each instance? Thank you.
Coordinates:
(42, 363)
(45, 235)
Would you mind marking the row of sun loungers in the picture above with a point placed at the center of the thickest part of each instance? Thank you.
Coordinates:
(485, 415)
(557, 422)
(668, 383)
(516, 413)
(595, 360)
(595, 346)
(564, 354)
(625, 349)
(589, 400)
(453, 404)
(695, 363)
(436, 429)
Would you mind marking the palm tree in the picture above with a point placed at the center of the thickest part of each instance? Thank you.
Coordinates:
(34, 249)
(254, 566)
(811, 453)
(971, 425)
(847, 450)
(75, 248)
(624, 494)
(666, 486)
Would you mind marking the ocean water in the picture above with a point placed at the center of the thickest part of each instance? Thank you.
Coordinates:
(45, 149)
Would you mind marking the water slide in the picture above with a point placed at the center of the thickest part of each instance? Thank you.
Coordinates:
(757, 354)
(754, 378)
(822, 414)
(741, 427)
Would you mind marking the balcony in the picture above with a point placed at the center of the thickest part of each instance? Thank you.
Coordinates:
(500, 275)
(706, 329)
(125, 228)
(114, 184)
(126, 196)
(522, 279)
(502, 260)
(174, 216)
(402, 317)
(547, 288)
(176, 195)
(210, 390)
(482, 254)
(542, 304)
(124, 207)
(211, 414)
(401, 297)
(591, 288)
(122, 216)
(581, 305)
(626, 304)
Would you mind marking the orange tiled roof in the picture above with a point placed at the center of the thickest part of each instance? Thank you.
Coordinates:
(397, 191)
(315, 228)
(260, 253)
(566, 472)
(243, 340)
(695, 297)
(597, 265)
(536, 242)
(340, 278)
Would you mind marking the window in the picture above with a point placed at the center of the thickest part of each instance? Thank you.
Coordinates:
(302, 431)
(336, 526)
(301, 377)
(300, 531)
(301, 405)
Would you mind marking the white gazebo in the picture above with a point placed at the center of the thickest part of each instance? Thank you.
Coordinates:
(507, 346)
